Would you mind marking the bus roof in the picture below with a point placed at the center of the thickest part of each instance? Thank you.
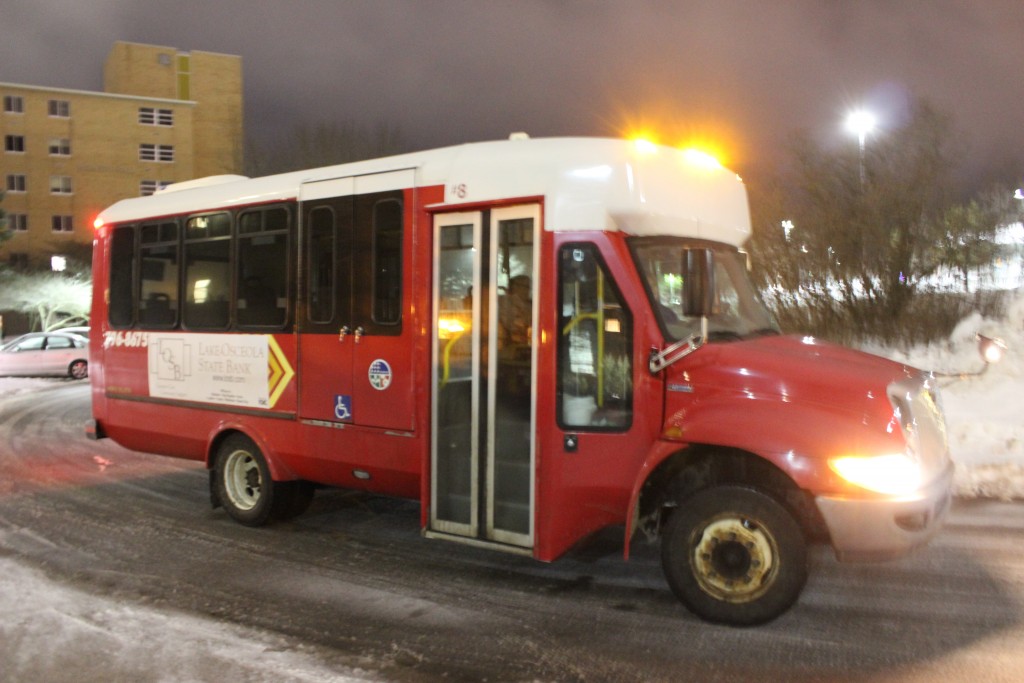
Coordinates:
(586, 183)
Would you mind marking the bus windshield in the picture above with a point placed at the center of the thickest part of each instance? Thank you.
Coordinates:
(737, 312)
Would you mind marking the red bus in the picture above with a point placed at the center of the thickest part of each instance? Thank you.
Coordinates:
(536, 338)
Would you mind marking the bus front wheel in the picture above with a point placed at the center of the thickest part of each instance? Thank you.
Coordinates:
(734, 555)
(247, 492)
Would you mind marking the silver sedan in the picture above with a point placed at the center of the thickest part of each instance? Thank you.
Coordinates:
(46, 353)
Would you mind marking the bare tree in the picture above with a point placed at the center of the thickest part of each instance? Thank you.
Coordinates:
(53, 299)
(969, 242)
(863, 235)
(5, 231)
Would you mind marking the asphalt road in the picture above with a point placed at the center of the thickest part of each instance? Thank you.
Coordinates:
(353, 584)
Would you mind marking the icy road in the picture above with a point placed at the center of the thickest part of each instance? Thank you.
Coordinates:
(113, 567)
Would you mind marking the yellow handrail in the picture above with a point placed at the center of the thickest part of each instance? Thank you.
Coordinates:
(598, 317)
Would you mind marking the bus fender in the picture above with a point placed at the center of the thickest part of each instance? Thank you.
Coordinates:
(659, 453)
(225, 428)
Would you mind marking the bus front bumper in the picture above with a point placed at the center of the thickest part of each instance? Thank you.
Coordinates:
(881, 529)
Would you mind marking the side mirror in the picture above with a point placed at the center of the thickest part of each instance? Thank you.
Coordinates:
(990, 348)
(698, 283)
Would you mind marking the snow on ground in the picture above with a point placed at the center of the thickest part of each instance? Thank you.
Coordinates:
(50, 632)
(12, 386)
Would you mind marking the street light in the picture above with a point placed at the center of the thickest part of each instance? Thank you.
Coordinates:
(860, 122)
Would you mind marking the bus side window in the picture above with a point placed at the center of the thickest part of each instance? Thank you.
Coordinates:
(158, 274)
(207, 271)
(122, 268)
(263, 268)
(322, 266)
(595, 345)
(387, 262)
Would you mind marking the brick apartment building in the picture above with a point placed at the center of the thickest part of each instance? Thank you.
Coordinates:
(164, 116)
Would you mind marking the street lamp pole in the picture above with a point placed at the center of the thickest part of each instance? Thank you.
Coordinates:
(860, 122)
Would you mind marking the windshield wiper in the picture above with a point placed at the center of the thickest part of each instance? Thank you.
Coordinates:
(765, 332)
(725, 335)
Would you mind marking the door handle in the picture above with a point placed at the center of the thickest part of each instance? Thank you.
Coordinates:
(343, 332)
(359, 333)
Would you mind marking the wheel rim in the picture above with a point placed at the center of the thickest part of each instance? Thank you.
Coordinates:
(79, 370)
(735, 559)
(243, 481)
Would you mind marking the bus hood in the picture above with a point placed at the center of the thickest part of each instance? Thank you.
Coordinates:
(796, 368)
(791, 396)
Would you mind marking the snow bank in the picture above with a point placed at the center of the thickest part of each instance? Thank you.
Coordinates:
(984, 414)
(11, 386)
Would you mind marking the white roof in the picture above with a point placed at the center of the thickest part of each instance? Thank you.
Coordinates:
(586, 184)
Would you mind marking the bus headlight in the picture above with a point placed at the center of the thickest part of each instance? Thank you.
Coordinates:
(891, 474)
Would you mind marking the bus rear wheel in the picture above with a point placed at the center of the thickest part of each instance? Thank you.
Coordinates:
(734, 555)
(247, 492)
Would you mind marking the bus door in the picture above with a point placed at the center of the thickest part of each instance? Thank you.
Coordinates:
(355, 349)
(484, 357)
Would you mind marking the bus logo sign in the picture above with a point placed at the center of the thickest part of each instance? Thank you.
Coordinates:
(380, 374)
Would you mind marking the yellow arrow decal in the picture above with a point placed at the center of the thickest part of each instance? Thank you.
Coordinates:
(279, 371)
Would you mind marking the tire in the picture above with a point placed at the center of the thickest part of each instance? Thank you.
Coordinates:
(79, 369)
(243, 482)
(734, 555)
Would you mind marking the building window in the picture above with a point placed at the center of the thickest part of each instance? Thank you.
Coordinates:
(13, 104)
(60, 147)
(150, 152)
(60, 108)
(148, 187)
(60, 184)
(16, 182)
(14, 143)
(19, 260)
(62, 224)
(149, 116)
(17, 222)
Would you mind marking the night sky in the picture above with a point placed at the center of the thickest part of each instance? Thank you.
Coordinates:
(739, 77)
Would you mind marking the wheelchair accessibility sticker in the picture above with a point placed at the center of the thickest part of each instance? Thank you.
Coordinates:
(380, 374)
(343, 407)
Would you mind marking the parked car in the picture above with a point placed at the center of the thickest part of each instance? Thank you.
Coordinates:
(80, 331)
(46, 353)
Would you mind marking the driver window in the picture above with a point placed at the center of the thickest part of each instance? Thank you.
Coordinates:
(595, 345)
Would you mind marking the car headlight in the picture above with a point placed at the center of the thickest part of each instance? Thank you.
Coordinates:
(892, 474)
